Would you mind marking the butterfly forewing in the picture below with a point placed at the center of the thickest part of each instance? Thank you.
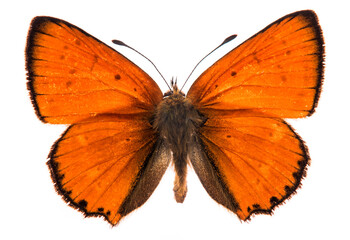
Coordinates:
(72, 75)
(278, 71)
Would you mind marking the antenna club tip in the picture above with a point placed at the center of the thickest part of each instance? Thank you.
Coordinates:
(230, 38)
(118, 42)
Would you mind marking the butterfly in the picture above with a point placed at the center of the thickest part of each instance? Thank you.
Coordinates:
(124, 132)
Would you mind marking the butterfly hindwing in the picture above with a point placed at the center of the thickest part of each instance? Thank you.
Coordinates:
(73, 76)
(259, 160)
(99, 167)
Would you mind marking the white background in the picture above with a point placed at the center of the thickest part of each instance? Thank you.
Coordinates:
(175, 35)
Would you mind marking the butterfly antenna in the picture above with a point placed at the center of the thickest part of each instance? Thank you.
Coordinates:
(120, 43)
(230, 38)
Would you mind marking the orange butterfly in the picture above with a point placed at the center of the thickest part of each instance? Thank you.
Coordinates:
(229, 127)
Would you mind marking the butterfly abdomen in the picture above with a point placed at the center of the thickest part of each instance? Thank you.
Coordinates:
(176, 121)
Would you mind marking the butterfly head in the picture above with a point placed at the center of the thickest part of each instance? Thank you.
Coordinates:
(174, 89)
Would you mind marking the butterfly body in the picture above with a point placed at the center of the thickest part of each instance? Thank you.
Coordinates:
(177, 122)
(124, 132)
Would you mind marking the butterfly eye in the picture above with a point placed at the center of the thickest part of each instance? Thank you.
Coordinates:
(168, 93)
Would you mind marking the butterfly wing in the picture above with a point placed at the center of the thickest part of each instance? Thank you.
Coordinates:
(277, 71)
(108, 164)
(73, 76)
(256, 162)
(109, 160)
(253, 158)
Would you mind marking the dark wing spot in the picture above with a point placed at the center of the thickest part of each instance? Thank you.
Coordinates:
(288, 190)
(216, 86)
(283, 78)
(82, 203)
(68, 84)
(228, 136)
(60, 177)
(296, 175)
(301, 95)
(135, 90)
(101, 209)
(108, 213)
(233, 73)
(128, 139)
(256, 206)
(288, 52)
(117, 77)
(248, 209)
(65, 47)
(273, 200)
(300, 163)
(77, 42)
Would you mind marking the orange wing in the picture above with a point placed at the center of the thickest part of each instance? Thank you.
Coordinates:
(259, 161)
(253, 159)
(73, 76)
(109, 161)
(108, 165)
(277, 71)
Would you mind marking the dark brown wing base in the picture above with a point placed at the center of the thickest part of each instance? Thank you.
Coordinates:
(148, 179)
(210, 176)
